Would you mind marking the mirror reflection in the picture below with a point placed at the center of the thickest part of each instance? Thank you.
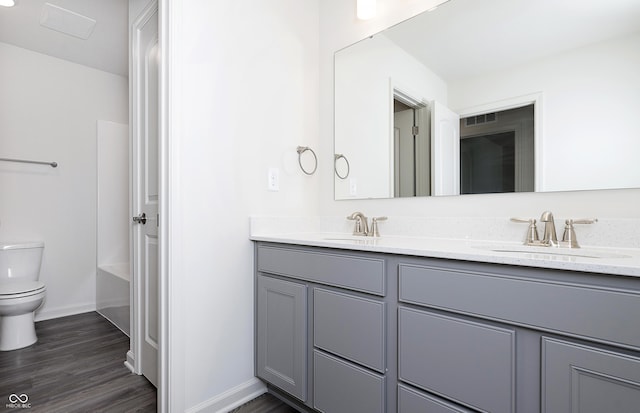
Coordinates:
(492, 96)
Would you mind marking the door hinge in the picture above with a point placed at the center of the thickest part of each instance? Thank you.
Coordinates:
(157, 220)
(414, 130)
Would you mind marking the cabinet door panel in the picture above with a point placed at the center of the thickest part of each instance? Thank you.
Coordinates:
(583, 379)
(281, 340)
(351, 327)
(339, 386)
(469, 362)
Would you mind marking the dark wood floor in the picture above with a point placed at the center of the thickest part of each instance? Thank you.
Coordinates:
(265, 404)
(76, 366)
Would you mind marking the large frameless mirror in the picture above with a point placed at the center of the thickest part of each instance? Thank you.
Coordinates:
(492, 96)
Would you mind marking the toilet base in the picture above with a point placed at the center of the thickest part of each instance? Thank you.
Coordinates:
(17, 331)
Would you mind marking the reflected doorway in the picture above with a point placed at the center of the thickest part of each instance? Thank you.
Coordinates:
(497, 152)
(411, 147)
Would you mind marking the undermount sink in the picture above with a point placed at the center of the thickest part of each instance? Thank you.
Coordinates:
(353, 238)
(567, 252)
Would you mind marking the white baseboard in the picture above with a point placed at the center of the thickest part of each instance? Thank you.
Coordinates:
(232, 398)
(51, 313)
(130, 362)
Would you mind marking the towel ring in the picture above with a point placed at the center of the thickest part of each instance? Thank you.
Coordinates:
(338, 156)
(303, 149)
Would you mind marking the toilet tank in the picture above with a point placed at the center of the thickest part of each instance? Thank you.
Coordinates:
(20, 260)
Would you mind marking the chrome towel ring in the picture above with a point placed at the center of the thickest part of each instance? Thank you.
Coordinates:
(303, 149)
(337, 157)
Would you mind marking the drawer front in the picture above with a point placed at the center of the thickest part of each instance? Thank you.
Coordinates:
(584, 379)
(351, 327)
(352, 272)
(598, 313)
(339, 386)
(414, 401)
(469, 362)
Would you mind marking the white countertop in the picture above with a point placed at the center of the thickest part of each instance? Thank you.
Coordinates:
(619, 261)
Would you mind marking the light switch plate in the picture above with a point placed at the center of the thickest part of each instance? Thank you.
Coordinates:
(273, 176)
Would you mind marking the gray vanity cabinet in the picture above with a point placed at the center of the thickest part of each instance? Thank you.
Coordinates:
(326, 312)
(281, 334)
(351, 331)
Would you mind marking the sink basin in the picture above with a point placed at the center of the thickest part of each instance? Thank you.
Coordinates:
(352, 238)
(566, 252)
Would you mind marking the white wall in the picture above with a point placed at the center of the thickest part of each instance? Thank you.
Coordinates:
(339, 28)
(112, 165)
(247, 96)
(48, 111)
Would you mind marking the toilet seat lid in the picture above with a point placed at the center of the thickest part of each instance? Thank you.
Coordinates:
(19, 287)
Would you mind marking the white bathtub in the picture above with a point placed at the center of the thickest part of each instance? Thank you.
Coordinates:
(113, 294)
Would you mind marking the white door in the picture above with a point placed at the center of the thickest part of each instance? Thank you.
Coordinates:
(445, 133)
(145, 193)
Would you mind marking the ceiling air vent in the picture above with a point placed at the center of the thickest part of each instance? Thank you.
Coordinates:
(480, 119)
(66, 21)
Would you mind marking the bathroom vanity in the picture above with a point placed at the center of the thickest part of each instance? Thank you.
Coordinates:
(352, 326)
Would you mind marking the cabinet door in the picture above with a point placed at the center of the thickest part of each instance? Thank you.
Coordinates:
(583, 379)
(281, 340)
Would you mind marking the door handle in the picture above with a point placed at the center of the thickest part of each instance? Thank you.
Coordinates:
(140, 219)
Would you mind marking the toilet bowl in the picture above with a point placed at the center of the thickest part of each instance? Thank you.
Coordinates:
(20, 293)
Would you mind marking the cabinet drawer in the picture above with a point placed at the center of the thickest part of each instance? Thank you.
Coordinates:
(599, 313)
(414, 401)
(469, 362)
(339, 386)
(351, 327)
(341, 270)
(584, 379)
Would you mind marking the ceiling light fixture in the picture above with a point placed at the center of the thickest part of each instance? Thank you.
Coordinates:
(366, 9)
(7, 3)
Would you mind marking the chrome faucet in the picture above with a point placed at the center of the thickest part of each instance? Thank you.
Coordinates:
(362, 225)
(550, 237)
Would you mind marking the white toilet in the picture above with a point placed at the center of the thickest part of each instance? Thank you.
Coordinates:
(21, 294)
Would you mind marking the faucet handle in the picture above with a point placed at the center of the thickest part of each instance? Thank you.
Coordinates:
(584, 221)
(374, 226)
(569, 236)
(532, 231)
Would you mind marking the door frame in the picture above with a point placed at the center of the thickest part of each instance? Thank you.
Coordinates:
(171, 358)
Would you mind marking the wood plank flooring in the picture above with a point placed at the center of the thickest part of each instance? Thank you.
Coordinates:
(76, 366)
(265, 403)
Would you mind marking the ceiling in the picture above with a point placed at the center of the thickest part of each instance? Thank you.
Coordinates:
(463, 38)
(106, 49)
